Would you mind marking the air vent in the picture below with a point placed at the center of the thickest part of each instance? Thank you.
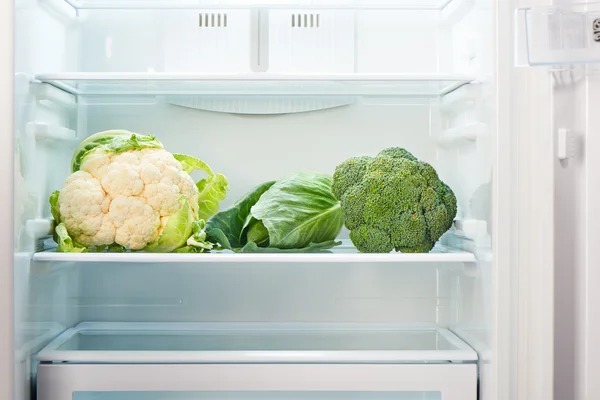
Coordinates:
(212, 20)
(305, 20)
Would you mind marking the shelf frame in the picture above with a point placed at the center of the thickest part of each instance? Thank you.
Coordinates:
(460, 351)
(226, 84)
(344, 254)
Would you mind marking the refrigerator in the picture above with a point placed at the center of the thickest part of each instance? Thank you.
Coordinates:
(497, 95)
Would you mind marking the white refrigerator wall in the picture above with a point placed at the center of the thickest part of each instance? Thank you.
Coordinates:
(250, 149)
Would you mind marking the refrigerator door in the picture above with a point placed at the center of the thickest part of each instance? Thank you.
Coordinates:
(563, 38)
(6, 202)
(523, 189)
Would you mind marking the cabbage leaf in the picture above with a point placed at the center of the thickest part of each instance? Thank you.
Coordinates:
(300, 210)
(296, 214)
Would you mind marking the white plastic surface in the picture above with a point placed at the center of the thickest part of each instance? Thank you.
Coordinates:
(562, 34)
(426, 85)
(223, 4)
(566, 144)
(44, 131)
(60, 382)
(260, 395)
(345, 253)
(255, 343)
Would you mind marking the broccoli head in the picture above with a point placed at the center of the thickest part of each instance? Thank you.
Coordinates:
(393, 202)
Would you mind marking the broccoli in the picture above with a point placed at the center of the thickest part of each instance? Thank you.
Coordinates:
(393, 202)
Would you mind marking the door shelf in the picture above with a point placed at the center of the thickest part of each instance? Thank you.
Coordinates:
(345, 253)
(558, 35)
(342, 84)
(435, 5)
(176, 343)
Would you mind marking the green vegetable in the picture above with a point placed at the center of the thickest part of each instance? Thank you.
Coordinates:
(227, 228)
(114, 141)
(300, 210)
(54, 206)
(197, 243)
(296, 214)
(393, 201)
(212, 189)
(258, 233)
(65, 243)
(176, 232)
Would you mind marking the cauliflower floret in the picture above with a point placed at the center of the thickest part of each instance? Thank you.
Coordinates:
(96, 162)
(162, 197)
(83, 207)
(137, 223)
(125, 198)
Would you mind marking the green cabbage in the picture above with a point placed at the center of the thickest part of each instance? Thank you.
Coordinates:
(296, 214)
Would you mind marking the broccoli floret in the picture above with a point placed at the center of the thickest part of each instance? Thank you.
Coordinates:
(397, 152)
(374, 239)
(350, 171)
(393, 201)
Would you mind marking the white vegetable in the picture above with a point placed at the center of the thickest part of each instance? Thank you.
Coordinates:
(128, 197)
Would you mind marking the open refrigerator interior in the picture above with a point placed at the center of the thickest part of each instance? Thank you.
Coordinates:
(258, 90)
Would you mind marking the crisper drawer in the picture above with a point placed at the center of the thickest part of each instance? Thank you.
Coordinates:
(257, 381)
(256, 361)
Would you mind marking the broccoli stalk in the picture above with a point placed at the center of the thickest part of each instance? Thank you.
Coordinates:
(393, 202)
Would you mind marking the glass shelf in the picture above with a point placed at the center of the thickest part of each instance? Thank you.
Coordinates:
(272, 4)
(558, 35)
(348, 84)
(176, 343)
(346, 253)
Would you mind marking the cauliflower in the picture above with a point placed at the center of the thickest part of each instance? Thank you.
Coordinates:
(393, 201)
(127, 191)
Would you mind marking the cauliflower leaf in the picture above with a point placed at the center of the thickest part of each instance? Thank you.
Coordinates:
(211, 190)
(65, 242)
(176, 232)
(112, 142)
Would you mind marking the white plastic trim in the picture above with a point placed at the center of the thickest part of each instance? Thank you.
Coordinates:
(38, 228)
(7, 323)
(240, 84)
(432, 5)
(45, 131)
(53, 352)
(47, 331)
(44, 91)
(455, 382)
(342, 254)
(523, 270)
(462, 135)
